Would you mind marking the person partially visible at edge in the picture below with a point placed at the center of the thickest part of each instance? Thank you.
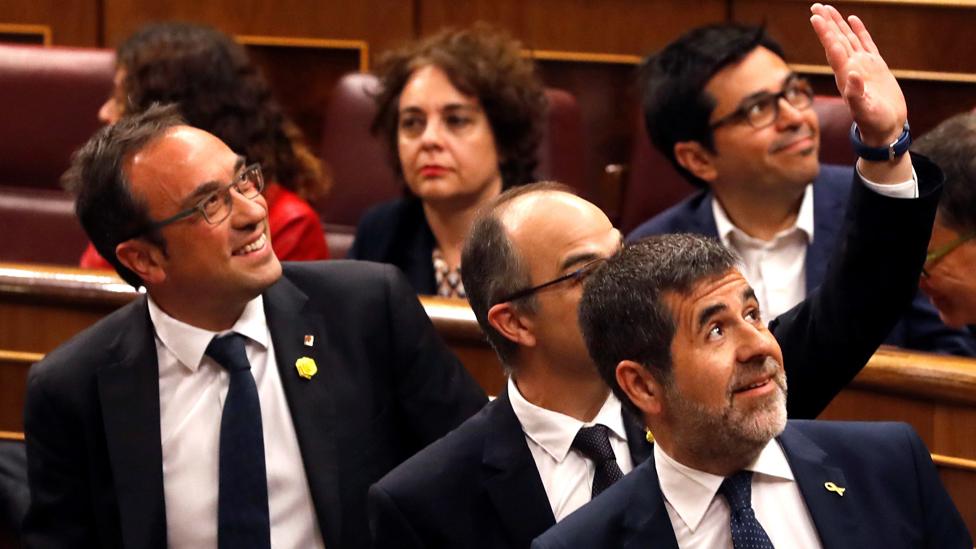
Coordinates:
(219, 90)
(723, 106)
(949, 277)
(461, 111)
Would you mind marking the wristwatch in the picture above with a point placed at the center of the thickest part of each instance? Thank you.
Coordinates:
(894, 149)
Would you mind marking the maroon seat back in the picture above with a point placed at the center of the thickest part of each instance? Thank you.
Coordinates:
(39, 226)
(49, 101)
(652, 184)
(360, 164)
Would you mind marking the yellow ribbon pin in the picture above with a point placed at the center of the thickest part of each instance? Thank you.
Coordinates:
(306, 367)
(831, 487)
(649, 436)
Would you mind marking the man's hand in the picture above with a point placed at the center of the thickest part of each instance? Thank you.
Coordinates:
(863, 77)
(867, 85)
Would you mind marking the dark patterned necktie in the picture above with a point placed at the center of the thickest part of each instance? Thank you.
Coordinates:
(747, 533)
(242, 502)
(594, 443)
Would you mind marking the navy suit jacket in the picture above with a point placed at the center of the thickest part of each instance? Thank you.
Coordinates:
(893, 497)
(478, 487)
(919, 328)
(386, 387)
(396, 232)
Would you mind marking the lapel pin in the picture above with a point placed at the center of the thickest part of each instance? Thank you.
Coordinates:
(309, 340)
(649, 436)
(306, 367)
(831, 487)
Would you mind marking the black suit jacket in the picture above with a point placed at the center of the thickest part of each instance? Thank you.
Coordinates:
(893, 497)
(445, 497)
(397, 232)
(386, 387)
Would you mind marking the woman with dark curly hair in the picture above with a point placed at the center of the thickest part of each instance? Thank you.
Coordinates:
(217, 88)
(462, 112)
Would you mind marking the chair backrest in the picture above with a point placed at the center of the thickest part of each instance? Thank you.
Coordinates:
(652, 184)
(360, 164)
(49, 101)
(39, 226)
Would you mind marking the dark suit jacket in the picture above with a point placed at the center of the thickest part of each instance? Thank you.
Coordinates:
(387, 386)
(479, 487)
(893, 495)
(919, 328)
(397, 232)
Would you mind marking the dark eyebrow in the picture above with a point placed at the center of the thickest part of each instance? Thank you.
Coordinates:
(708, 313)
(578, 260)
(204, 189)
(748, 294)
(753, 97)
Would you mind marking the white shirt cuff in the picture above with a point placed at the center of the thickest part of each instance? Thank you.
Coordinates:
(905, 189)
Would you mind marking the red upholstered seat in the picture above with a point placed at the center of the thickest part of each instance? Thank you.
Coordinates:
(360, 164)
(652, 184)
(49, 100)
(39, 226)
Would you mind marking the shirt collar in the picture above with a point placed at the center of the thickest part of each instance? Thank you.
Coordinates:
(554, 432)
(804, 220)
(189, 343)
(690, 491)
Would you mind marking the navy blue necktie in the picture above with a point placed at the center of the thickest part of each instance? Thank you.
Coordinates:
(594, 443)
(747, 533)
(242, 503)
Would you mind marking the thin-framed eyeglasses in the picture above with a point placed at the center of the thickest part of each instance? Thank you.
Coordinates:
(935, 255)
(763, 110)
(576, 276)
(216, 206)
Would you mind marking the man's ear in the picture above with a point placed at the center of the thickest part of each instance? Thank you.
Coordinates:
(696, 159)
(641, 387)
(508, 321)
(143, 258)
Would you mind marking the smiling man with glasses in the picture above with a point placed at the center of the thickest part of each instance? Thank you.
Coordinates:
(723, 106)
(240, 402)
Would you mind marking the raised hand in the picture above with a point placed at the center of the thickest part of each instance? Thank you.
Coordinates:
(863, 78)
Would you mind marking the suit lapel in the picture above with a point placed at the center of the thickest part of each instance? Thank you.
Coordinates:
(646, 522)
(640, 449)
(828, 219)
(310, 400)
(128, 391)
(835, 516)
(704, 218)
(512, 481)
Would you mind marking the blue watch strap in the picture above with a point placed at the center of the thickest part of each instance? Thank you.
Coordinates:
(894, 149)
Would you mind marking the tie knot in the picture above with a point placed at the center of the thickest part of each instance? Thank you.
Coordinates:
(737, 490)
(594, 443)
(229, 352)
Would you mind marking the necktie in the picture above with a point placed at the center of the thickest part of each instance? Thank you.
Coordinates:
(747, 533)
(242, 502)
(594, 443)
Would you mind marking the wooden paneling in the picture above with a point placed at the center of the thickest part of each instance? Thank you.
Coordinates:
(381, 23)
(633, 27)
(72, 22)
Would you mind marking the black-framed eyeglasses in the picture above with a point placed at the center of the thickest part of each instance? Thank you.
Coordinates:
(932, 257)
(576, 276)
(763, 110)
(216, 206)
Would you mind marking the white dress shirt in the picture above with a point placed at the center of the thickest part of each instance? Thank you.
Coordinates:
(566, 474)
(192, 388)
(700, 515)
(776, 269)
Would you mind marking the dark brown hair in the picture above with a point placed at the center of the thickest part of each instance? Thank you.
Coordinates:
(480, 62)
(217, 88)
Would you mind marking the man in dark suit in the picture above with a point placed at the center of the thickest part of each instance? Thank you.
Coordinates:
(723, 106)
(334, 374)
(515, 469)
(675, 330)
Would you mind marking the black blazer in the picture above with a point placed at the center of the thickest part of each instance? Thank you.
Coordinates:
(893, 497)
(387, 386)
(478, 487)
(396, 232)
